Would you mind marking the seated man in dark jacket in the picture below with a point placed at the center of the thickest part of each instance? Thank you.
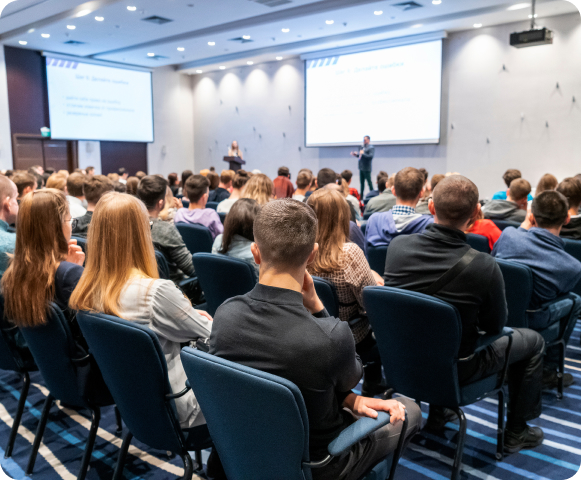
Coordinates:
(417, 261)
(281, 327)
(571, 188)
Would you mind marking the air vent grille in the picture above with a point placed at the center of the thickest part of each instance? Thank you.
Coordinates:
(75, 42)
(241, 40)
(405, 6)
(157, 57)
(272, 3)
(157, 20)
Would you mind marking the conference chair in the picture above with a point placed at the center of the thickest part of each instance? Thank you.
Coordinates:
(264, 433)
(367, 216)
(197, 238)
(376, 258)
(478, 242)
(12, 358)
(212, 205)
(328, 295)
(81, 242)
(222, 217)
(185, 203)
(222, 277)
(561, 312)
(573, 248)
(502, 224)
(134, 368)
(70, 377)
(423, 359)
(162, 265)
(363, 228)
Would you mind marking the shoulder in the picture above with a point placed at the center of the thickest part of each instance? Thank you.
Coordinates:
(69, 271)
(352, 252)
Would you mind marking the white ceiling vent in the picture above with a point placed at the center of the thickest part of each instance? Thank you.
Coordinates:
(272, 3)
(405, 6)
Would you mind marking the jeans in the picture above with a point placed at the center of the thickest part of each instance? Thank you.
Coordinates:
(365, 176)
(525, 373)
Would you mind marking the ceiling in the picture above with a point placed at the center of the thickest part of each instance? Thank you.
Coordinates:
(242, 30)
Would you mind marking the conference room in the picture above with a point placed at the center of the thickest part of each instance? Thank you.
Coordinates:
(290, 239)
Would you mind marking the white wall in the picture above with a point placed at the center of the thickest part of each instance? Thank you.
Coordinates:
(173, 149)
(5, 137)
(479, 98)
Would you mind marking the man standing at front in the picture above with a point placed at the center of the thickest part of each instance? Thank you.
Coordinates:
(365, 156)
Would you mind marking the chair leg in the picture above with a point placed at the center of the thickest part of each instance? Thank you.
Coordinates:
(39, 433)
(18, 417)
(199, 465)
(119, 421)
(561, 372)
(188, 466)
(96, 414)
(460, 445)
(500, 431)
(399, 450)
(118, 475)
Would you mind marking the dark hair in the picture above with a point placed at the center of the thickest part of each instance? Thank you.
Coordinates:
(510, 175)
(196, 187)
(121, 171)
(240, 179)
(550, 209)
(326, 176)
(285, 231)
(408, 183)
(172, 179)
(214, 180)
(76, 184)
(120, 187)
(132, 184)
(240, 221)
(89, 168)
(96, 187)
(283, 171)
(304, 180)
(425, 173)
(367, 136)
(347, 175)
(382, 184)
(455, 199)
(571, 189)
(436, 179)
(547, 182)
(140, 174)
(151, 190)
(23, 181)
(519, 189)
(185, 175)
(381, 174)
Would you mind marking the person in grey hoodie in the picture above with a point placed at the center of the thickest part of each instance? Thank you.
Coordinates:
(514, 208)
(385, 201)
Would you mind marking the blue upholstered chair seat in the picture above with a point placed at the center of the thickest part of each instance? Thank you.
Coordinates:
(476, 391)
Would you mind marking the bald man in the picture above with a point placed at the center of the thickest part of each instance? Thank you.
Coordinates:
(8, 214)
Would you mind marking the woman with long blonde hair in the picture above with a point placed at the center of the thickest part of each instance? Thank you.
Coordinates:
(234, 150)
(259, 188)
(46, 265)
(344, 264)
(121, 279)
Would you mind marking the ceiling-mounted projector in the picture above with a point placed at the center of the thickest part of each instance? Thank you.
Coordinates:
(532, 38)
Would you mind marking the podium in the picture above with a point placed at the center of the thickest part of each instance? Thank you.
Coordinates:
(235, 163)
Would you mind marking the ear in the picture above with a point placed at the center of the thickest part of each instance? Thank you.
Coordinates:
(476, 213)
(313, 254)
(431, 207)
(393, 191)
(568, 219)
(256, 253)
(532, 219)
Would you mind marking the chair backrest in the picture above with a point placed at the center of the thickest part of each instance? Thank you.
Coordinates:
(573, 248)
(328, 295)
(162, 265)
(81, 242)
(502, 224)
(197, 238)
(222, 277)
(222, 217)
(9, 358)
(364, 228)
(376, 258)
(418, 338)
(54, 351)
(518, 284)
(264, 433)
(367, 216)
(478, 242)
(212, 205)
(134, 368)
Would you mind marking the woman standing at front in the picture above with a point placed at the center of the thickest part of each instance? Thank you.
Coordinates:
(235, 151)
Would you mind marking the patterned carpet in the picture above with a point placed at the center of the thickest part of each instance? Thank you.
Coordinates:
(429, 455)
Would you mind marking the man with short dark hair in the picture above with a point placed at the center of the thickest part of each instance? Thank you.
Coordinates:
(282, 327)
(94, 188)
(197, 190)
(514, 208)
(283, 187)
(90, 171)
(324, 178)
(223, 191)
(166, 237)
(510, 175)
(76, 194)
(571, 189)
(375, 193)
(304, 182)
(365, 155)
(123, 174)
(402, 219)
(25, 183)
(8, 215)
(385, 201)
(418, 261)
(555, 273)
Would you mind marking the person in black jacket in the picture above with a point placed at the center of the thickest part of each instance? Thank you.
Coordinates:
(281, 327)
(571, 188)
(415, 262)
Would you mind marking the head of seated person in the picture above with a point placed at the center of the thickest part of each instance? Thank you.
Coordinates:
(454, 203)
(239, 223)
(259, 188)
(518, 192)
(571, 189)
(151, 191)
(197, 190)
(95, 188)
(550, 211)
(8, 203)
(408, 187)
(283, 172)
(547, 182)
(325, 177)
(214, 179)
(510, 175)
(25, 183)
(76, 185)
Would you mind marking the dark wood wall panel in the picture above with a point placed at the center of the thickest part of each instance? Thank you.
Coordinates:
(131, 156)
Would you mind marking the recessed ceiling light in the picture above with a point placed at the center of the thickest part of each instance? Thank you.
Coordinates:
(378, 12)
(83, 13)
(436, 2)
(285, 30)
(151, 54)
(519, 6)
(477, 25)
(222, 67)
(279, 58)
(71, 27)
(181, 49)
(199, 71)
(31, 30)
(131, 9)
(530, 15)
(329, 22)
(249, 63)
(211, 44)
(99, 19)
(23, 42)
(45, 35)
(418, 25)
(246, 37)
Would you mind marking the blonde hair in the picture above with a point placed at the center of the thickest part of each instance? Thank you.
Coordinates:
(120, 243)
(58, 181)
(333, 215)
(259, 188)
(28, 283)
(164, 214)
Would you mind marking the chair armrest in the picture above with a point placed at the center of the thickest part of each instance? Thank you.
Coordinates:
(170, 396)
(486, 340)
(356, 432)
